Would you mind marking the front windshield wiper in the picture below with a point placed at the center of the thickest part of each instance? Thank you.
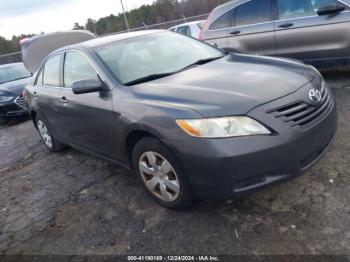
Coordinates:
(161, 75)
(201, 62)
(148, 78)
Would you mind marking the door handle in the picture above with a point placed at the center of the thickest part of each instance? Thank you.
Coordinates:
(64, 100)
(236, 32)
(35, 94)
(286, 25)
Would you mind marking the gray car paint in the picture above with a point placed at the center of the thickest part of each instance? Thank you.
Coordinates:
(101, 123)
(312, 39)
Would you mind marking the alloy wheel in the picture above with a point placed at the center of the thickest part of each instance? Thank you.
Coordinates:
(159, 176)
(44, 133)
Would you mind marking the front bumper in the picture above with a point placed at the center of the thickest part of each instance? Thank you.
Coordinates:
(218, 168)
(14, 108)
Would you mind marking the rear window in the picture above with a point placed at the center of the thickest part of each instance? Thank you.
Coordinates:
(14, 72)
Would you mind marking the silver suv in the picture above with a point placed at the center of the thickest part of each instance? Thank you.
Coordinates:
(314, 31)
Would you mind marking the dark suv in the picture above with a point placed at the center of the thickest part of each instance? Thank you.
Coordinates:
(314, 31)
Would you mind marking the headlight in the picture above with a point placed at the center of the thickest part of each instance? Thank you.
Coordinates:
(223, 127)
(6, 98)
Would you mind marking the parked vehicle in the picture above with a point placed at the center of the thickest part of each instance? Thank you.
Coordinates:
(13, 78)
(190, 120)
(314, 31)
(191, 29)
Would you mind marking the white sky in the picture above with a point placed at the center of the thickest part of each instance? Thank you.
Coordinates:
(36, 16)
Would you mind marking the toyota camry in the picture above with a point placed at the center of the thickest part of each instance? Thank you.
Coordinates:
(190, 120)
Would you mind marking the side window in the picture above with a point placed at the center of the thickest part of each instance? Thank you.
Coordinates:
(224, 21)
(39, 79)
(77, 67)
(289, 9)
(253, 12)
(52, 71)
(319, 3)
(185, 30)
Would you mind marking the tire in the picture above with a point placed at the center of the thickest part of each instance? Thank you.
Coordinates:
(3, 120)
(156, 166)
(49, 141)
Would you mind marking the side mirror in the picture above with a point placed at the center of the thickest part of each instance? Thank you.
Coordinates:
(330, 9)
(87, 86)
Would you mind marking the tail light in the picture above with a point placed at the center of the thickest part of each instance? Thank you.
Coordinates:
(205, 27)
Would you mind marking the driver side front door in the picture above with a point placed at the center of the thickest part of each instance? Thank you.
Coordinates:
(89, 119)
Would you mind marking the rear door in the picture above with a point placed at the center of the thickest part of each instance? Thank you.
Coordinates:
(301, 33)
(253, 28)
(47, 95)
(88, 117)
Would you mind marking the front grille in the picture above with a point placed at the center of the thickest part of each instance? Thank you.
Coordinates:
(21, 102)
(302, 115)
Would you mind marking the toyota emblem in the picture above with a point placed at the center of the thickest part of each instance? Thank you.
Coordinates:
(315, 95)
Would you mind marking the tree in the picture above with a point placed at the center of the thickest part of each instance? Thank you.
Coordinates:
(78, 27)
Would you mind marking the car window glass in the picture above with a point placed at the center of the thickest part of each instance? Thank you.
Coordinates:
(39, 80)
(77, 67)
(223, 21)
(289, 9)
(253, 12)
(13, 72)
(52, 71)
(135, 58)
(185, 30)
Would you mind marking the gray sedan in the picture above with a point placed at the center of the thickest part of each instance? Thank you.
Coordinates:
(190, 120)
(314, 31)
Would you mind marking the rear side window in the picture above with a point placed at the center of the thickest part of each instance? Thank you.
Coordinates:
(224, 21)
(254, 12)
(52, 71)
(77, 67)
(185, 30)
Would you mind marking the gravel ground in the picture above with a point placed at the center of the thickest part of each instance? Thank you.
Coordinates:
(72, 203)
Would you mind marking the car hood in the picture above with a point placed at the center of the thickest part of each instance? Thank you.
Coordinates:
(232, 85)
(14, 87)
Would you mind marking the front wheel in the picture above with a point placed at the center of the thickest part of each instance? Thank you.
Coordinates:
(161, 175)
(3, 120)
(50, 142)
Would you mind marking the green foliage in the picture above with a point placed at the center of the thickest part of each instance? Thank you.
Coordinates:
(160, 11)
(9, 46)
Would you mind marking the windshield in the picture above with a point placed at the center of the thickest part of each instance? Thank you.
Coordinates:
(153, 56)
(13, 72)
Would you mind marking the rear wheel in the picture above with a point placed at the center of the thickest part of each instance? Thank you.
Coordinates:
(50, 142)
(161, 175)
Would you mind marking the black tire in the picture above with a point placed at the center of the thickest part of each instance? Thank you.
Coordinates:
(184, 198)
(3, 120)
(56, 146)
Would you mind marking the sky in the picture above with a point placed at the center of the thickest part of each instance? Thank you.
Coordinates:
(36, 16)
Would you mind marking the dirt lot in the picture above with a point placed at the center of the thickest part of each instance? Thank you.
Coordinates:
(72, 203)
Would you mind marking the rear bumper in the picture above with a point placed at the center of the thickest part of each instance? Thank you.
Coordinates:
(220, 168)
